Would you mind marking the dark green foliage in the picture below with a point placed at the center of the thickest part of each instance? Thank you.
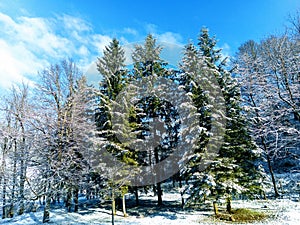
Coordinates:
(235, 169)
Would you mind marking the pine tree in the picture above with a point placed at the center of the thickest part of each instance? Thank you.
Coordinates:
(112, 67)
(234, 170)
(193, 71)
(153, 110)
(113, 120)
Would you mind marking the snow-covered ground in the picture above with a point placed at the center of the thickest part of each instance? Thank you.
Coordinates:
(286, 212)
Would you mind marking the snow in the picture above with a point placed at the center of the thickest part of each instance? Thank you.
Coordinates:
(101, 217)
(286, 212)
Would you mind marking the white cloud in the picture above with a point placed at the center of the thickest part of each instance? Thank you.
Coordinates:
(92, 73)
(29, 44)
(83, 51)
(151, 28)
(75, 23)
(11, 67)
(167, 37)
(100, 41)
(129, 48)
(172, 53)
(128, 30)
(41, 37)
(172, 47)
(226, 51)
(170, 38)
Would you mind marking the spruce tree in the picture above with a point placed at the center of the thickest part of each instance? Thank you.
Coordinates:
(234, 170)
(111, 123)
(152, 109)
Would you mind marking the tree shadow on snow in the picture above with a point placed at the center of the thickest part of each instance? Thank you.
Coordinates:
(34, 218)
(149, 208)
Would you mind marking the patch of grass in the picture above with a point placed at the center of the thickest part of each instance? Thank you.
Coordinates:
(243, 215)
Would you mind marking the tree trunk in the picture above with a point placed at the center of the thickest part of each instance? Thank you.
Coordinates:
(12, 200)
(68, 200)
(4, 180)
(58, 197)
(75, 196)
(22, 174)
(124, 205)
(228, 205)
(4, 197)
(182, 199)
(113, 207)
(159, 194)
(47, 197)
(181, 191)
(88, 193)
(44, 196)
(263, 195)
(270, 167)
(272, 176)
(215, 205)
(136, 193)
(46, 216)
(158, 186)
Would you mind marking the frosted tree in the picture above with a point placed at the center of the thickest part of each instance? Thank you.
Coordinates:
(113, 122)
(112, 67)
(81, 135)
(294, 20)
(6, 147)
(269, 79)
(17, 139)
(4, 126)
(281, 63)
(66, 130)
(234, 169)
(193, 68)
(6, 172)
(158, 117)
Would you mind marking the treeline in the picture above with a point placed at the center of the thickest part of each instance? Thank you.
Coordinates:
(269, 73)
(207, 124)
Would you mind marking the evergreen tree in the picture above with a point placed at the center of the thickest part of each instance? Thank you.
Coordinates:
(112, 67)
(234, 170)
(113, 120)
(152, 110)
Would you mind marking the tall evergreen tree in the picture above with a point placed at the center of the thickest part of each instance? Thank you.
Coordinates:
(234, 170)
(113, 124)
(152, 109)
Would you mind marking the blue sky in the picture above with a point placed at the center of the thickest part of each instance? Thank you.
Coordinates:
(35, 33)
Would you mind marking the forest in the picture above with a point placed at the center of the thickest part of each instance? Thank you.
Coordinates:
(217, 128)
